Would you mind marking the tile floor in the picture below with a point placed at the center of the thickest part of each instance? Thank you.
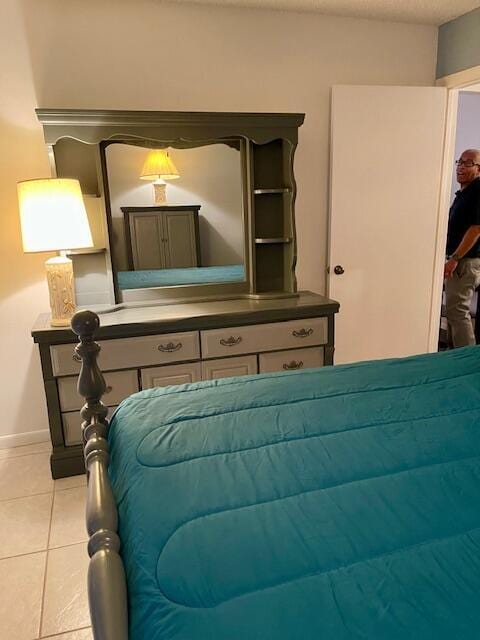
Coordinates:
(43, 554)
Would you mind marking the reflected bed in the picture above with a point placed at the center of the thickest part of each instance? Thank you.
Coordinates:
(144, 279)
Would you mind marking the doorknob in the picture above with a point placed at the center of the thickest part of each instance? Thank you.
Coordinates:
(339, 270)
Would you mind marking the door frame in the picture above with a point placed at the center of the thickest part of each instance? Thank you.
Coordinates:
(454, 83)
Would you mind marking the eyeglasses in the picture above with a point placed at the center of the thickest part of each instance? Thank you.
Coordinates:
(466, 163)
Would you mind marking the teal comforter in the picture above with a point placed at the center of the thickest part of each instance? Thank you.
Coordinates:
(146, 278)
(332, 504)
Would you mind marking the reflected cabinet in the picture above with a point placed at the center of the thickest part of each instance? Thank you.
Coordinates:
(162, 237)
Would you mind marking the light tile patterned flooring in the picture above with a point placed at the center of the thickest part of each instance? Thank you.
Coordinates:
(43, 551)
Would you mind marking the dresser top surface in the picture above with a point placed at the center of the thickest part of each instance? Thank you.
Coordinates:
(120, 321)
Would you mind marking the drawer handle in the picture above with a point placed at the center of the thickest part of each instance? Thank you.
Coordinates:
(231, 342)
(76, 357)
(293, 365)
(169, 347)
(108, 389)
(303, 333)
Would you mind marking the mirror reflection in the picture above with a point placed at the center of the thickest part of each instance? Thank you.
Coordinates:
(176, 215)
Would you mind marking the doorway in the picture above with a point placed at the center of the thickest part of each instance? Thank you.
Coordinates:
(384, 211)
(464, 133)
(389, 214)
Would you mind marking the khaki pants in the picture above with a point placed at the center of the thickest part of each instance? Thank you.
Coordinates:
(459, 293)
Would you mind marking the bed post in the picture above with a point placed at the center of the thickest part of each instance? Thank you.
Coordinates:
(107, 593)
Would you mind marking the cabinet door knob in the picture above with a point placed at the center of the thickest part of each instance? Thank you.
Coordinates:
(303, 333)
(338, 270)
(293, 365)
(169, 347)
(231, 342)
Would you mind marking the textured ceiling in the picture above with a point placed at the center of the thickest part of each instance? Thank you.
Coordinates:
(433, 12)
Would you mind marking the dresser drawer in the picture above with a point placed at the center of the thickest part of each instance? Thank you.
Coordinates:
(264, 337)
(229, 367)
(173, 374)
(127, 353)
(120, 384)
(291, 360)
(72, 426)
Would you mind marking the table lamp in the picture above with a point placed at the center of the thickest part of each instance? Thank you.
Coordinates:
(53, 218)
(158, 167)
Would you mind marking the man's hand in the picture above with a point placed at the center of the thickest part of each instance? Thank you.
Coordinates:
(450, 267)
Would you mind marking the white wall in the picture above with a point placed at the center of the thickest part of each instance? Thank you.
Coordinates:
(23, 289)
(210, 176)
(147, 54)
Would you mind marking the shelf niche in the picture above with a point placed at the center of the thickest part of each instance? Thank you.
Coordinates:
(74, 159)
(273, 217)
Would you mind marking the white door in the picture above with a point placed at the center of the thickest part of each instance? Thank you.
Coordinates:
(386, 164)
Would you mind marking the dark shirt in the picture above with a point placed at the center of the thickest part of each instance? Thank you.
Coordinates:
(464, 212)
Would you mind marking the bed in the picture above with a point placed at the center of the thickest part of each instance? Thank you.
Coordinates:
(145, 278)
(337, 503)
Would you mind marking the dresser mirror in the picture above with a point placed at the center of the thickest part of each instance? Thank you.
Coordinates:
(176, 214)
(213, 218)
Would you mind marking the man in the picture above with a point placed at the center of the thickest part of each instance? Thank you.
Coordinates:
(462, 268)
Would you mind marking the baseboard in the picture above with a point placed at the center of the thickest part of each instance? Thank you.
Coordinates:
(67, 461)
(22, 439)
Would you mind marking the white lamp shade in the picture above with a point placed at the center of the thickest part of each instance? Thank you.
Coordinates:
(158, 166)
(53, 215)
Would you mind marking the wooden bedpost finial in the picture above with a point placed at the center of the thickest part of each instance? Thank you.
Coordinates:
(107, 591)
(85, 324)
(91, 383)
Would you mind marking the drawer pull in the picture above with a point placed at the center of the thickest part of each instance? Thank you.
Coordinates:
(303, 333)
(169, 347)
(231, 342)
(76, 357)
(108, 389)
(293, 365)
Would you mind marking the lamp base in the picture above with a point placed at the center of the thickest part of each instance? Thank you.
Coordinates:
(60, 287)
(160, 191)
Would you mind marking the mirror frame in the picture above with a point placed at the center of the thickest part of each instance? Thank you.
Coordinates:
(100, 128)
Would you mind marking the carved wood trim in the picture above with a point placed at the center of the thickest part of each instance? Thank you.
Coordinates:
(94, 126)
(107, 590)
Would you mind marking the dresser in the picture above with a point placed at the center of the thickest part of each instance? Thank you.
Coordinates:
(170, 344)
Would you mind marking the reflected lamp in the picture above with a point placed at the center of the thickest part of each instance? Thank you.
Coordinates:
(157, 168)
